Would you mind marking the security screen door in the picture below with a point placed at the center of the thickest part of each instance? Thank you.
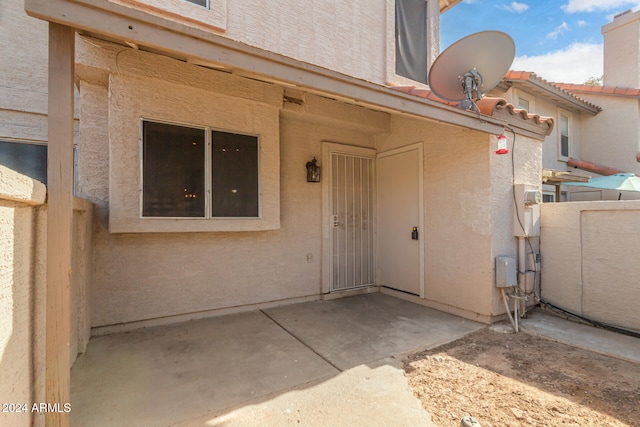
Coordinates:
(352, 204)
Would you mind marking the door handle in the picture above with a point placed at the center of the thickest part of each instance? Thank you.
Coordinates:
(414, 233)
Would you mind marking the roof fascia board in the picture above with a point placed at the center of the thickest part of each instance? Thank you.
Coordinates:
(447, 4)
(556, 94)
(175, 39)
(602, 93)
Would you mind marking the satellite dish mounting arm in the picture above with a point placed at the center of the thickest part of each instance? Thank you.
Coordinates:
(471, 86)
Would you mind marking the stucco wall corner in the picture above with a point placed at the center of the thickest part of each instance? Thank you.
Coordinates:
(20, 188)
(523, 165)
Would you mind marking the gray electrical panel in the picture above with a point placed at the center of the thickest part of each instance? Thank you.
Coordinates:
(506, 272)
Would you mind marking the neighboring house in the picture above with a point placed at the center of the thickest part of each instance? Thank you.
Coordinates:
(531, 93)
(598, 130)
(196, 123)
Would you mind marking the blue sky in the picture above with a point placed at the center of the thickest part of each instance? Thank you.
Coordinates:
(559, 40)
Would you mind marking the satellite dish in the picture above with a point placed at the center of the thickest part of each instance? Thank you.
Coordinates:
(471, 66)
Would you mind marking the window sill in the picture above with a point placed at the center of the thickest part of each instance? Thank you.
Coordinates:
(190, 225)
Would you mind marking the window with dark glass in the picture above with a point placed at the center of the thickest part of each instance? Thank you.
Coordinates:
(27, 159)
(234, 175)
(564, 136)
(173, 170)
(178, 182)
(203, 3)
(411, 39)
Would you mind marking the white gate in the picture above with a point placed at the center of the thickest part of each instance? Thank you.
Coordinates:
(352, 205)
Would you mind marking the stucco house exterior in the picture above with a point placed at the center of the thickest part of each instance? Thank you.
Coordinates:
(190, 127)
(597, 130)
(532, 93)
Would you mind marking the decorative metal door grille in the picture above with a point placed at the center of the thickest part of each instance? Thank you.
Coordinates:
(352, 190)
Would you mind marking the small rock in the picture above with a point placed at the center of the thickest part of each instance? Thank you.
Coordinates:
(517, 413)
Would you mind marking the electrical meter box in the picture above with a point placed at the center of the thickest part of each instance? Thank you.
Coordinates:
(506, 272)
(526, 221)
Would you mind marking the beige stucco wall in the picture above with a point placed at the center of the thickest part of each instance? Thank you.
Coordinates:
(589, 264)
(468, 211)
(622, 51)
(522, 166)
(159, 274)
(81, 278)
(354, 38)
(23, 74)
(457, 214)
(22, 255)
(153, 275)
(23, 245)
(612, 138)
(348, 37)
(458, 221)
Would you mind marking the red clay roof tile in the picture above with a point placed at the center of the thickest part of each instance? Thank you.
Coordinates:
(487, 105)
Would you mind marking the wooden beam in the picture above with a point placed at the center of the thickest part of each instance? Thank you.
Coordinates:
(59, 219)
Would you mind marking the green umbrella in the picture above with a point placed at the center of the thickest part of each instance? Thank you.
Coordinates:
(619, 181)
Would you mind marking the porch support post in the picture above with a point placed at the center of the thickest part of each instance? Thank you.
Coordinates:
(59, 219)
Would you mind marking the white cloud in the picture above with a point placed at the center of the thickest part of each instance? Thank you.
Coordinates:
(469, 1)
(574, 6)
(515, 7)
(559, 30)
(582, 23)
(574, 64)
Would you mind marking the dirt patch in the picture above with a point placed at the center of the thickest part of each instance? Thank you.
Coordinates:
(506, 379)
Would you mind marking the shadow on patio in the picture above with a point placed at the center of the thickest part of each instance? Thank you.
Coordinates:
(324, 358)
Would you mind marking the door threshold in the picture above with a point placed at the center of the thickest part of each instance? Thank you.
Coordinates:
(350, 292)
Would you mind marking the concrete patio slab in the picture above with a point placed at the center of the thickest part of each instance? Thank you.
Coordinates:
(272, 367)
(351, 331)
(160, 375)
(539, 322)
(358, 397)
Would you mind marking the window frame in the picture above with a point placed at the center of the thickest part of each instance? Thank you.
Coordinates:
(528, 98)
(549, 194)
(39, 144)
(433, 43)
(569, 116)
(208, 167)
(192, 101)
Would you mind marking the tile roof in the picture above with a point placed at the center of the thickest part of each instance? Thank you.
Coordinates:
(600, 90)
(594, 167)
(487, 106)
(557, 89)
